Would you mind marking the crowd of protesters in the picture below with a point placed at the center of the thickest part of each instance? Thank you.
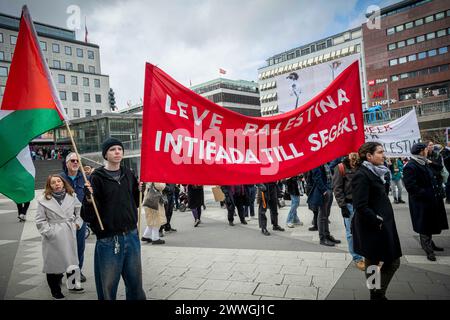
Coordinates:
(359, 182)
(49, 152)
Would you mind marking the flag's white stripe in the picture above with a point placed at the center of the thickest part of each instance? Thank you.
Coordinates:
(24, 157)
(4, 113)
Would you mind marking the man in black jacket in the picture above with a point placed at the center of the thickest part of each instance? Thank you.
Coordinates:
(117, 250)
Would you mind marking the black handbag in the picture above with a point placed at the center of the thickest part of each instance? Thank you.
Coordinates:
(152, 198)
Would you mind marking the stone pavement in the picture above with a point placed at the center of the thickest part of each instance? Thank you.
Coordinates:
(219, 262)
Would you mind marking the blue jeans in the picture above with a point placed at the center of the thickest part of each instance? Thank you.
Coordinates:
(292, 215)
(251, 208)
(81, 244)
(348, 231)
(118, 256)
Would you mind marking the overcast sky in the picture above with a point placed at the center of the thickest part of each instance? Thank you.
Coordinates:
(192, 39)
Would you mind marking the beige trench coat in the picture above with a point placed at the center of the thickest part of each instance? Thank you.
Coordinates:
(156, 218)
(56, 224)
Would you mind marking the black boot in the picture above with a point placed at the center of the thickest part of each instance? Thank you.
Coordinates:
(436, 248)
(401, 201)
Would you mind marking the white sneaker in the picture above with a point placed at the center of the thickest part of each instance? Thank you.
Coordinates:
(290, 225)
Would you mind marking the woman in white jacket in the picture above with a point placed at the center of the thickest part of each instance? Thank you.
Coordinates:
(57, 219)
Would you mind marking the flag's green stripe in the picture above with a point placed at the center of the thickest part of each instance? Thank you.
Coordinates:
(20, 127)
(16, 182)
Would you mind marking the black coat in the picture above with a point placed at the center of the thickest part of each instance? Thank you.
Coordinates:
(292, 186)
(195, 196)
(427, 208)
(370, 200)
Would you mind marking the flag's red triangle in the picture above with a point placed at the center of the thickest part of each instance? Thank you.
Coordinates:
(29, 84)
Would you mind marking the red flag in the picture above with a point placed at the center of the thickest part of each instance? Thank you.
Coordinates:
(222, 71)
(190, 140)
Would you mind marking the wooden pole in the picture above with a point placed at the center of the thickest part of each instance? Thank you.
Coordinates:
(84, 174)
(139, 213)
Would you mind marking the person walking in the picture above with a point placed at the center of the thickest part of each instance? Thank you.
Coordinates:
(155, 218)
(342, 189)
(117, 249)
(195, 201)
(249, 209)
(57, 219)
(314, 209)
(396, 167)
(72, 174)
(375, 234)
(235, 199)
(320, 197)
(426, 203)
(169, 195)
(294, 192)
(267, 198)
(22, 209)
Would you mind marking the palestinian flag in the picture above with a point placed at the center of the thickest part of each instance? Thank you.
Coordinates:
(30, 107)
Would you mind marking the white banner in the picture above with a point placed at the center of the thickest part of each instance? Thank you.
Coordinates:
(397, 136)
(298, 87)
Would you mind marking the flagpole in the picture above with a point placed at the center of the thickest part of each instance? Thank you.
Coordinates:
(139, 213)
(84, 174)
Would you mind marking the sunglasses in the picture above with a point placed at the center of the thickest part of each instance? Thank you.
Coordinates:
(74, 160)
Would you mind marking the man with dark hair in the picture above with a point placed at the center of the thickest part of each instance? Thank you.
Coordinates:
(118, 249)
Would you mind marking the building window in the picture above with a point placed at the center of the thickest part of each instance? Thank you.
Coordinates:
(98, 98)
(412, 57)
(79, 52)
(97, 83)
(402, 60)
(66, 110)
(87, 112)
(98, 111)
(432, 53)
(420, 39)
(421, 55)
(418, 22)
(62, 95)
(68, 51)
(57, 64)
(391, 46)
(69, 66)
(410, 41)
(1, 37)
(55, 47)
(440, 15)
(3, 71)
(2, 55)
(329, 42)
(313, 48)
(443, 50)
(305, 51)
(87, 97)
(441, 33)
(75, 96)
(43, 45)
(61, 78)
(409, 25)
(86, 82)
(401, 44)
(399, 28)
(12, 39)
(81, 67)
(390, 31)
(91, 69)
(76, 113)
(74, 80)
(394, 78)
(90, 54)
(429, 19)
(403, 76)
(431, 35)
(393, 62)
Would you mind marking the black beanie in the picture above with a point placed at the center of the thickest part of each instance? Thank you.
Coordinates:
(108, 143)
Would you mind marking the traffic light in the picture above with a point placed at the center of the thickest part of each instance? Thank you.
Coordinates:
(111, 99)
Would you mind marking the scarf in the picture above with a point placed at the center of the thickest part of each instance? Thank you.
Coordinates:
(59, 196)
(420, 159)
(379, 171)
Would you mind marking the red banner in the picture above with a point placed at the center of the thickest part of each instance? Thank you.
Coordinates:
(190, 140)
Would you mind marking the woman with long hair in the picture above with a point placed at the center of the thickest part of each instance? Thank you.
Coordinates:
(57, 219)
(374, 231)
